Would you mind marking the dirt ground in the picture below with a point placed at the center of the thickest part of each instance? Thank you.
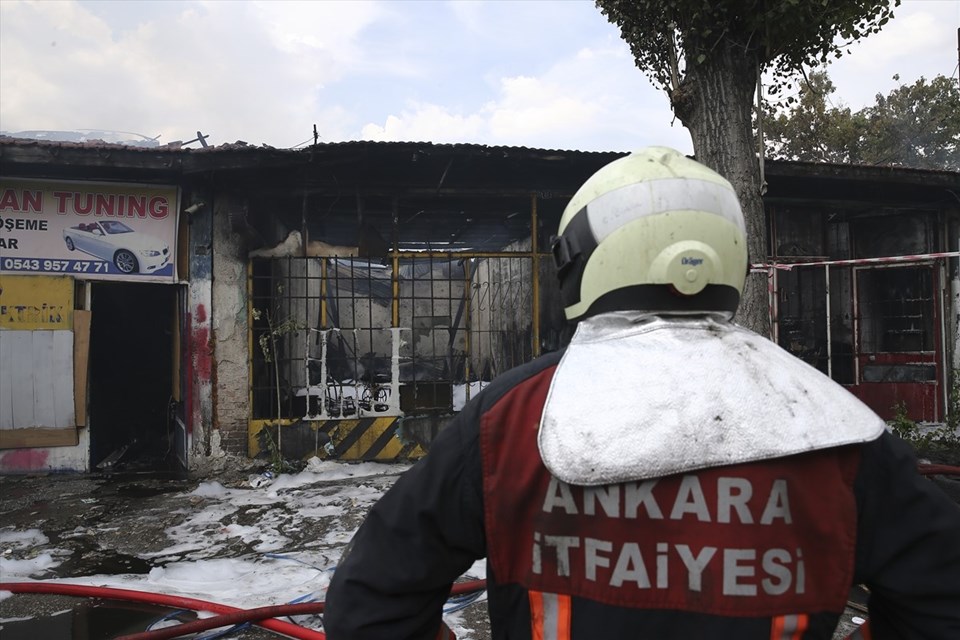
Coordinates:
(111, 524)
(72, 511)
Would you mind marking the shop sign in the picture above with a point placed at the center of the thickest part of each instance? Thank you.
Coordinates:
(88, 230)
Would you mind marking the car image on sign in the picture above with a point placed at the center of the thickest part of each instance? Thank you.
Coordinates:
(111, 240)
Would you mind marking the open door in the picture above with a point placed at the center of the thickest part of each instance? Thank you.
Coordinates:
(180, 382)
(133, 395)
(898, 339)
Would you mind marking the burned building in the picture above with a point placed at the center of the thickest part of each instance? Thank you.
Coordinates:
(862, 264)
(345, 300)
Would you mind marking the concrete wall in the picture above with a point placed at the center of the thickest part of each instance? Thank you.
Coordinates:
(199, 365)
(48, 459)
(555, 331)
(429, 303)
(501, 313)
(231, 351)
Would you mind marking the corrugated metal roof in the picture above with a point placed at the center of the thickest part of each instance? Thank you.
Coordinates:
(446, 196)
(241, 146)
(11, 141)
(781, 167)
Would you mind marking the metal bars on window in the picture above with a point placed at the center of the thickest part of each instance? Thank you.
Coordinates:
(353, 338)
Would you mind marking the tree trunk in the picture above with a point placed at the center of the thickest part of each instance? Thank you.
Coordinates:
(715, 104)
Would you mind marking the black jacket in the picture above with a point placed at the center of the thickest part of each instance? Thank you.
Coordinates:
(730, 568)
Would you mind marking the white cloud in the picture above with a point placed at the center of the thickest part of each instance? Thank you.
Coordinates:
(593, 99)
(539, 74)
(531, 107)
(919, 41)
(216, 66)
(39, 44)
(469, 13)
(918, 31)
(427, 122)
(307, 27)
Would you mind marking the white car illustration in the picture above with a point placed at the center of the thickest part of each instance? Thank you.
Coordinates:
(130, 251)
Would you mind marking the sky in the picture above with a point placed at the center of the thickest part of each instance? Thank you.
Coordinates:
(549, 74)
(211, 556)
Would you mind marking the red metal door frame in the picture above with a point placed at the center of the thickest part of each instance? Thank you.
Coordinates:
(923, 401)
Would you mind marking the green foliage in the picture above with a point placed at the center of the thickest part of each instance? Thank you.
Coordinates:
(901, 424)
(277, 328)
(781, 35)
(709, 54)
(275, 331)
(915, 125)
(932, 441)
(953, 403)
(277, 462)
(813, 131)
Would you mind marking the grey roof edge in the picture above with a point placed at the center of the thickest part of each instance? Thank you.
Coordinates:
(243, 147)
(774, 167)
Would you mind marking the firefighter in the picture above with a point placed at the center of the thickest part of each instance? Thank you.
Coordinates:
(669, 474)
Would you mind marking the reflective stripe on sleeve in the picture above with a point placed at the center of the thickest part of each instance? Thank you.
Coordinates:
(549, 616)
(789, 627)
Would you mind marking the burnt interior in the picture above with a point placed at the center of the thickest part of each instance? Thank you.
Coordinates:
(131, 376)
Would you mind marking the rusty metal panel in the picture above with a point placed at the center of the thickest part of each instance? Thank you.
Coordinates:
(920, 402)
(36, 354)
(898, 340)
(36, 302)
(858, 297)
(36, 379)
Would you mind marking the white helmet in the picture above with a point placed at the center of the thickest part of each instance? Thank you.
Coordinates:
(653, 231)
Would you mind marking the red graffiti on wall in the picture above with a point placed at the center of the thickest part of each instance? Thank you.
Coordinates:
(199, 365)
(24, 460)
(200, 345)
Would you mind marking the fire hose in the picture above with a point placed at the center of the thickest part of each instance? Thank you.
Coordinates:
(262, 616)
(228, 615)
(938, 470)
(228, 619)
(179, 602)
(265, 616)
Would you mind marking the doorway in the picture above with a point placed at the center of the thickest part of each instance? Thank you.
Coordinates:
(899, 341)
(133, 341)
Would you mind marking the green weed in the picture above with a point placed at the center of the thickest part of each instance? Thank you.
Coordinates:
(934, 442)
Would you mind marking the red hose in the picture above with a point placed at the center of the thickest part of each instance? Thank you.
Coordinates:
(460, 588)
(179, 602)
(262, 613)
(938, 470)
(229, 615)
(225, 620)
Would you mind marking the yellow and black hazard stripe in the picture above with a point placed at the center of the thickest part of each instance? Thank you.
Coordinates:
(370, 439)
